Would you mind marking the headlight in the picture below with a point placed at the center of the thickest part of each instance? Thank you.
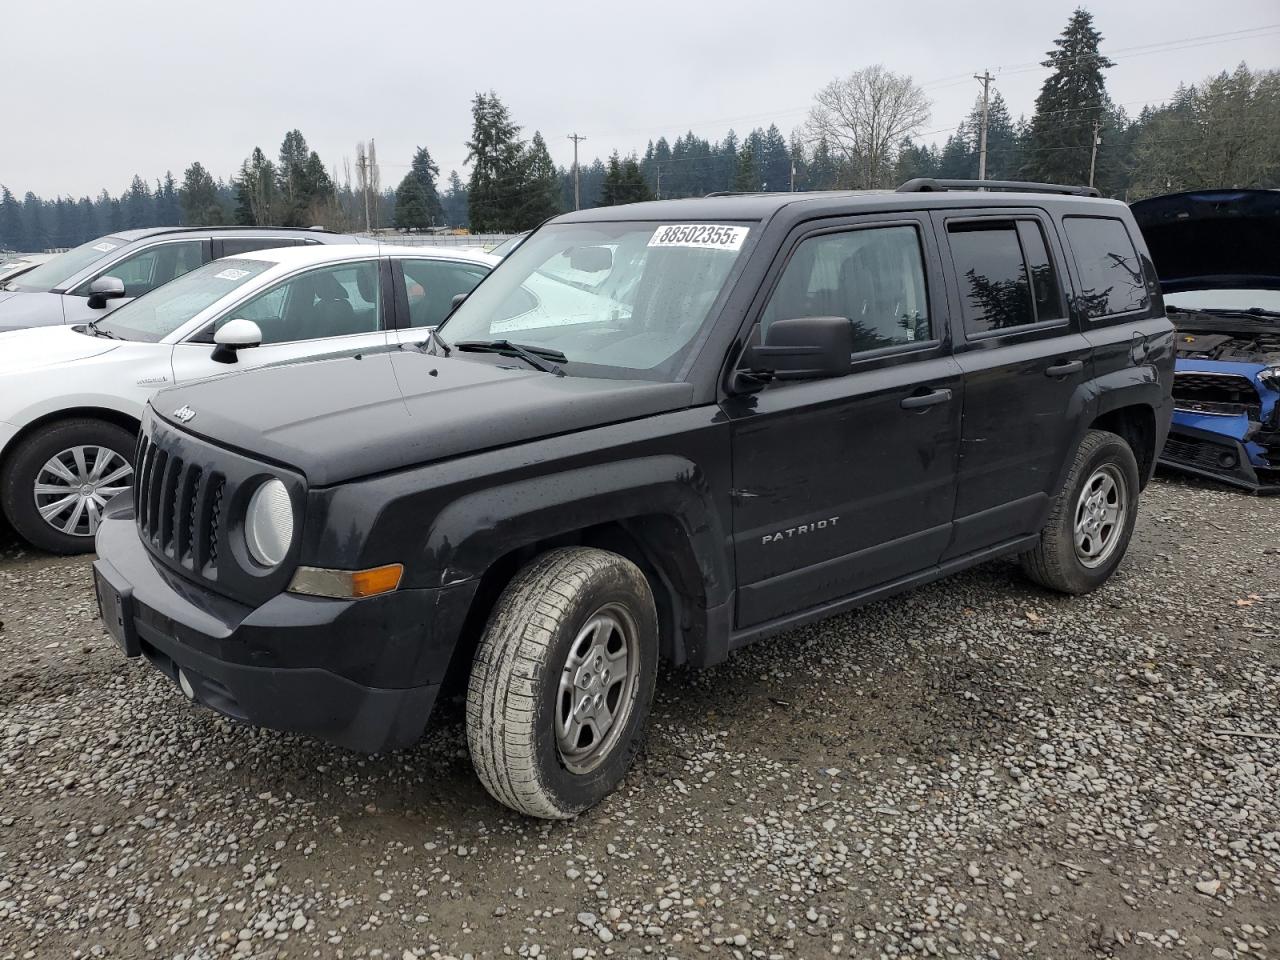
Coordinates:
(268, 524)
(1271, 377)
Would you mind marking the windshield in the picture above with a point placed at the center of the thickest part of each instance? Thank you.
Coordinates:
(157, 314)
(1224, 299)
(616, 299)
(52, 273)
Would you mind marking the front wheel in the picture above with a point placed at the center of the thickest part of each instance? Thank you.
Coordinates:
(1092, 519)
(59, 479)
(562, 682)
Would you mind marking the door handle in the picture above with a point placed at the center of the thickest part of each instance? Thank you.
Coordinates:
(1064, 369)
(922, 400)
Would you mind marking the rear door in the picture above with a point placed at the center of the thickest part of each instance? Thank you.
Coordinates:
(1023, 359)
(424, 290)
(846, 483)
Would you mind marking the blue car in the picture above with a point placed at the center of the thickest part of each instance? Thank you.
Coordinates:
(1217, 253)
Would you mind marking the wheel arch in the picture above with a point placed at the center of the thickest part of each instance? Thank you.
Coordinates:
(116, 417)
(1136, 425)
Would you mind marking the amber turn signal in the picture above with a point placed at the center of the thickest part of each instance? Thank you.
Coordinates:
(346, 584)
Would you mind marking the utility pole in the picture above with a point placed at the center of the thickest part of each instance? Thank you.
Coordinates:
(985, 80)
(793, 175)
(657, 166)
(1093, 152)
(577, 191)
(363, 160)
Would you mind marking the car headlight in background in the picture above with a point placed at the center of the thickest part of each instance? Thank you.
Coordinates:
(268, 523)
(1271, 377)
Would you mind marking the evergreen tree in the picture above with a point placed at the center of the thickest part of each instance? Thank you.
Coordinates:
(199, 197)
(746, 179)
(256, 191)
(12, 234)
(35, 235)
(824, 173)
(775, 162)
(424, 170)
(86, 221)
(168, 212)
(454, 201)
(915, 161)
(623, 182)
(540, 197)
(136, 206)
(1072, 98)
(496, 154)
(412, 207)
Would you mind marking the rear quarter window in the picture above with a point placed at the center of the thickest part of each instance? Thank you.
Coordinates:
(1111, 280)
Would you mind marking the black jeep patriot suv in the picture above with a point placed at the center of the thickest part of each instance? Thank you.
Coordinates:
(662, 430)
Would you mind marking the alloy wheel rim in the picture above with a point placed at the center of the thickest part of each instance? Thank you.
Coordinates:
(74, 486)
(597, 689)
(1100, 516)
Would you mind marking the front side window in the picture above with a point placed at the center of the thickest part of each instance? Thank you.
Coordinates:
(53, 273)
(153, 267)
(1110, 274)
(872, 276)
(617, 299)
(335, 301)
(431, 285)
(160, 313)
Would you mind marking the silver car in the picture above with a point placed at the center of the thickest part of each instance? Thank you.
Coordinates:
(89, 281)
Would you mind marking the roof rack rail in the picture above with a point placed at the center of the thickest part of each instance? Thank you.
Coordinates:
(929, 184)
(740, 193)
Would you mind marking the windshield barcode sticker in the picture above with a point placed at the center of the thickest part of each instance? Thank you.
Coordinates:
(231, 273)
(105, 247)
(717, 236)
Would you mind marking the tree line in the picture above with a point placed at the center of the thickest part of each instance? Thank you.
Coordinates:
(863, 131)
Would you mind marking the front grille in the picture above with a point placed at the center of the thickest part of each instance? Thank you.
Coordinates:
(1222, 393)
(178, 508)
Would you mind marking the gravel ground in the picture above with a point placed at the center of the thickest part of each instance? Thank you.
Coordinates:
(975, 769)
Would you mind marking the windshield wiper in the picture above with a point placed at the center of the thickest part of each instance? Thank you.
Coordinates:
(536, 357)
(1240, 312)
(93, 328)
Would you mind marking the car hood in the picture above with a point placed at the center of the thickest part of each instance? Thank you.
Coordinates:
(1213, 239)
(23, 350)
(343, 417)
(20, 309)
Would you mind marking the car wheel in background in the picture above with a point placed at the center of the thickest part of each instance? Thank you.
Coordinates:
(562, 682)
(1092, 518)
(58, 480)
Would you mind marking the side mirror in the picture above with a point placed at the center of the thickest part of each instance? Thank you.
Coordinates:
(235, 335)
(456, 302)
(805, 348)
(104, 289)
(591, 259)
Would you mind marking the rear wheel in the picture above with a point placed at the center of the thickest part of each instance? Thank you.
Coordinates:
(562, 682)
(58, 481)
(1092, 519)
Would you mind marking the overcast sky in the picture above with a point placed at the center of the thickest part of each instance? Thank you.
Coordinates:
(94, 92)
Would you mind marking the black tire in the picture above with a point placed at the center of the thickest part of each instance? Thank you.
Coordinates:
(1056, 561)
(515, 695)
(24, 463)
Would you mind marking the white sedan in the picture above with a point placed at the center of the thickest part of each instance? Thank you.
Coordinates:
(71, 397)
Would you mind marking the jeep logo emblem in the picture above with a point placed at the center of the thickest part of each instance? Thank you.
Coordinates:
(183, 414)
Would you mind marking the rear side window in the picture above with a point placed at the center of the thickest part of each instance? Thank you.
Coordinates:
(1110, 273)
(874, 276)
(1006, 276)
(234, 246)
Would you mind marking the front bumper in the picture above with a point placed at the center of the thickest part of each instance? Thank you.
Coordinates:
(1219, 456)
(361, 674)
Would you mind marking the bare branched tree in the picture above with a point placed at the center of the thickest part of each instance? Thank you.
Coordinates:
(863, 117)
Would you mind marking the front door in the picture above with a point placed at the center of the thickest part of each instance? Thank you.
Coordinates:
(844, 484)
(1024, 363)
(329, 309)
